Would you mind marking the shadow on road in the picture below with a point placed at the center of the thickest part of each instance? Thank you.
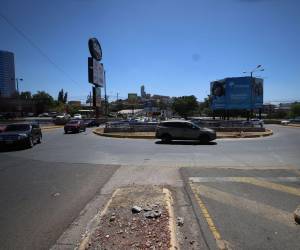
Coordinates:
(12, 148)
(186, 143)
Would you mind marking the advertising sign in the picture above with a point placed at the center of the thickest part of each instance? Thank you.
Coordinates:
(95, 49)
(96, 96)
(237, 93)
(95, 72)
(218, 93)
(257, 93)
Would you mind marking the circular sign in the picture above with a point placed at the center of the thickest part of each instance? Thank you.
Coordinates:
(95, 49)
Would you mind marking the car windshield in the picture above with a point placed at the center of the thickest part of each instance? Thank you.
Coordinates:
(17, 127)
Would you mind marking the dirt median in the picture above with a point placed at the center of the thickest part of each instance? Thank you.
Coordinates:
(137, 217)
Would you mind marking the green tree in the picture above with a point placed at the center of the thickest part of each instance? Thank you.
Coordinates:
(185, 105)
(43, 101)
(26, 95)
(295, 109)
(65, 99)
(60, 97)
(89, 100)
(204, 107)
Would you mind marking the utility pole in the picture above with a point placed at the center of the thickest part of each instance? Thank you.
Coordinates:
(90, 99)
(117, 96)
(106, 106)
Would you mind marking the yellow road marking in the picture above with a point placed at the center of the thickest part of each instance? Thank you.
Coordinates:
(254, 207)
(269, 185)
(206, 214)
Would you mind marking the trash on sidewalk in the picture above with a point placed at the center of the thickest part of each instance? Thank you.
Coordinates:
(180, 221)
(136, 209)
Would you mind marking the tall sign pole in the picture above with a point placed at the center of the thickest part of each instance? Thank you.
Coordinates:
(96, 72)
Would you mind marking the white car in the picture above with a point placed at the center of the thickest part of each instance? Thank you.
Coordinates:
(257, 122)
(285, 122)
(77, 116)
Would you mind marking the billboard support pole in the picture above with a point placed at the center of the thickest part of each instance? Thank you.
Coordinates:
(105, 96)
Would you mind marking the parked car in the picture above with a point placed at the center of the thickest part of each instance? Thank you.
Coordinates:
(24, 134)
(61, 119)
(77, 116)
(183, 130)
(74, 126)
(91, 123)
(44, 115)
(285, 122)
(257, 122)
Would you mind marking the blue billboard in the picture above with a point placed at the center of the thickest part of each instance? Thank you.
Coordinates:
(244, 93)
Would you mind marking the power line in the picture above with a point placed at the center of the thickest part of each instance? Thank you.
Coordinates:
(34, 45)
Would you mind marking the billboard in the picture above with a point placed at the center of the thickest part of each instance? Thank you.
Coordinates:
(96, 96)
(257, 93)
(218, 93)
(95, 72)
(237, 93)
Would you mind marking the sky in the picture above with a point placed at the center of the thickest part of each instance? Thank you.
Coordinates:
(173, 47)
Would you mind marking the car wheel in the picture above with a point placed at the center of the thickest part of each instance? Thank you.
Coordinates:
(39, 140)
(166, 138)
(204, 138)
(30, 142)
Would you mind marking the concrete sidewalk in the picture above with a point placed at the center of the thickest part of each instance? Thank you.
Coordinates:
(151, 135)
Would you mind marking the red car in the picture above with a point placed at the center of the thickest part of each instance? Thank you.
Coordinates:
(74, 126)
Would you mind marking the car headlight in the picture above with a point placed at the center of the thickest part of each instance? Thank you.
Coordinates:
(22, 136)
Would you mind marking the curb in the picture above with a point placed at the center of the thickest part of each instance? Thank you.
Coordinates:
(51, 127)
(84, 244)
(268, 132)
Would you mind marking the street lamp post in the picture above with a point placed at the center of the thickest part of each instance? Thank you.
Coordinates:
(17, 81)
(258, 68)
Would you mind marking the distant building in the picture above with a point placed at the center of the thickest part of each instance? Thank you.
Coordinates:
(75, 103)
(7, 74)
(143, 92)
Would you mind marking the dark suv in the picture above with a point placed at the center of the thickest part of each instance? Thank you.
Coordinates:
(183, 130)
(25, 134)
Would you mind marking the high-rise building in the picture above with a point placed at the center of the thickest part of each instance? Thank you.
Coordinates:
(143, 92)
(7, 74)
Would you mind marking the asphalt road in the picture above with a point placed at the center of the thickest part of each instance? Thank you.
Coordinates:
(281, 149)
(249, 209)
(43, 189)
(39, 199)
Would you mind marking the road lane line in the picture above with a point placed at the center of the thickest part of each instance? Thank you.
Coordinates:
(221, 244)
(236, 179)
(254, 207)
(265, 182)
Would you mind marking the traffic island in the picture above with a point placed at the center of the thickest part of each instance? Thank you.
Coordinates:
(51, 127)
(136, 217)
(151, 135)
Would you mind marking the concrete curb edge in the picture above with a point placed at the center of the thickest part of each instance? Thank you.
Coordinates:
(268, 132)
